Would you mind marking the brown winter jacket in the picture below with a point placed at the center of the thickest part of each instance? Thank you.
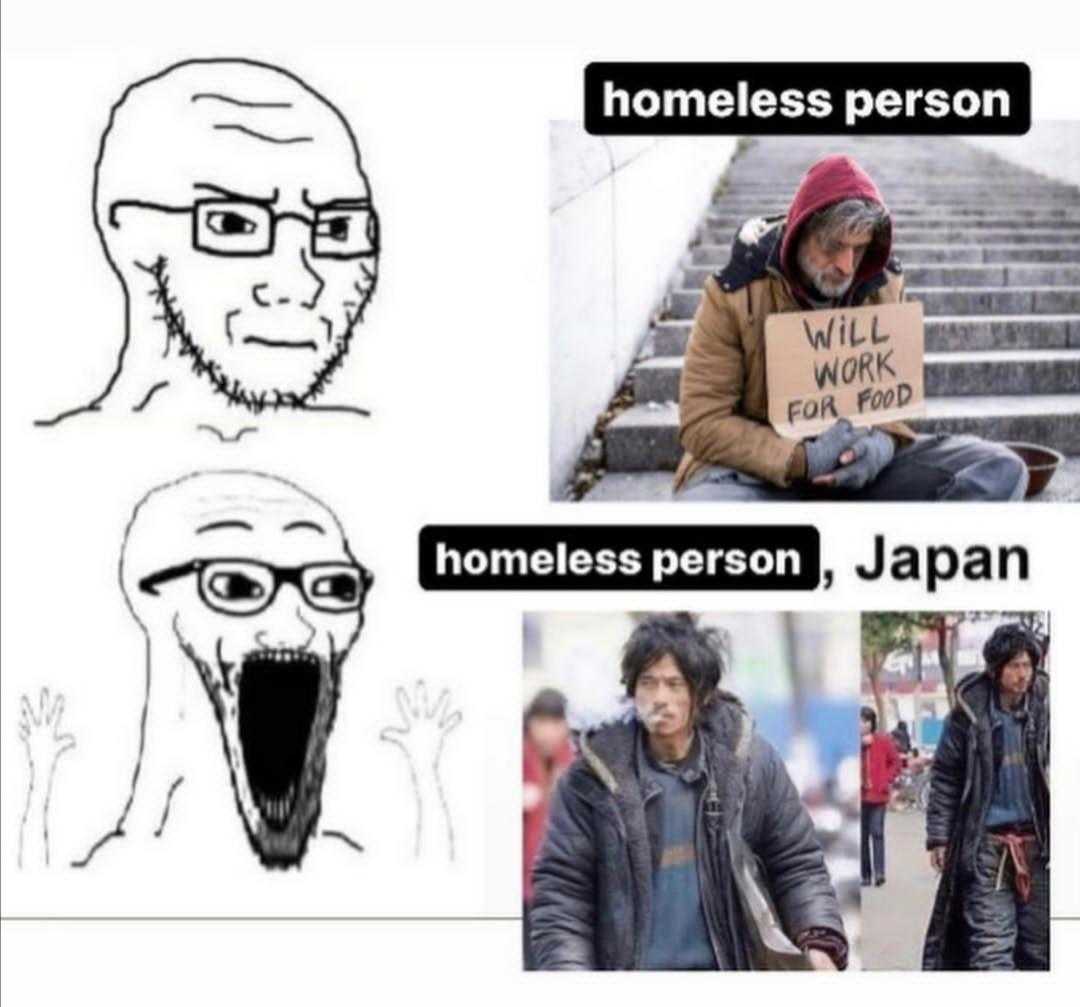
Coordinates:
(723, 404)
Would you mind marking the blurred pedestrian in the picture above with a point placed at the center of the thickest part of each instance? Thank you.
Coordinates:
(547, 752)
(901, 738)
(880, 766)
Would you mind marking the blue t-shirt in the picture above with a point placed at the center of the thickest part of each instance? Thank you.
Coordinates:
(679, 937)
(1011, 803)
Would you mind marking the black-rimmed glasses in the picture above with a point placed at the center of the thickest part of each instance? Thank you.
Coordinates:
(240, 227)
(248, 587)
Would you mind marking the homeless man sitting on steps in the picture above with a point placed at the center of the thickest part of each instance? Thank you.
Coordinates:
(831, 250)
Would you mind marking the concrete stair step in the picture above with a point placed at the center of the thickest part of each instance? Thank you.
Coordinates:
(655, 487)
(949, 300)
(943, 333)
(732, 221)
(718, 255)
(746, 207)
(917, 234)
(901, 190)
(964, 372)
(1052, 419)
(780, 199)
(997, 300)
(646, 437)
(935, 275)
(1002, 372)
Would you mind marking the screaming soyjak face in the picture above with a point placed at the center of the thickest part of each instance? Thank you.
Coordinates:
(230, 202)
(250, 581)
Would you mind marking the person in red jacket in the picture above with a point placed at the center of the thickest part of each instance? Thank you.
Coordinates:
(880, 766)
(547, 752)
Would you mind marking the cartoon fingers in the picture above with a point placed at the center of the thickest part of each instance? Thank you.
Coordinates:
(423, 723)
(39, 728)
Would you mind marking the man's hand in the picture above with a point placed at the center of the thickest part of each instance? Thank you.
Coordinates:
(937, 858)
(826, 452)
(862, 463)
(819, 960)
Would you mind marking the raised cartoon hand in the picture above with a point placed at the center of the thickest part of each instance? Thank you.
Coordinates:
(421, 738)
(425, 725)
(40, 732)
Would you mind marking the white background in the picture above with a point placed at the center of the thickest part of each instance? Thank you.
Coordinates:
(450, 105)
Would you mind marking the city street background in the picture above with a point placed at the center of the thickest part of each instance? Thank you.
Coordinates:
(894, 916)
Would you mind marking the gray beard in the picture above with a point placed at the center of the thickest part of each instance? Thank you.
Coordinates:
(827, 291)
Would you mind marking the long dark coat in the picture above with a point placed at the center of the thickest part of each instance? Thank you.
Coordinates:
(593, 879)
(961, 788)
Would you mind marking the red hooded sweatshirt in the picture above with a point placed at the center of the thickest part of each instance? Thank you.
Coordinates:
(830, 180)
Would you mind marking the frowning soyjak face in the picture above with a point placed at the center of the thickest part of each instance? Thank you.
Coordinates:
(230, 202)
(250, 581)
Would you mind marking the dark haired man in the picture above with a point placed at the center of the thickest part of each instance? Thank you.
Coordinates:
(656, 831)
(832, 249)
(880, 765)
(988, 822)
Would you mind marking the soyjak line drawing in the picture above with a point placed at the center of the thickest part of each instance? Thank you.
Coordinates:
(250, 600)
(230, 203)
(248, 581)
(426, 726)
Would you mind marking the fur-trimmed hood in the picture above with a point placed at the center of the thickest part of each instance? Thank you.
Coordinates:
(610, 749)
(975, 693)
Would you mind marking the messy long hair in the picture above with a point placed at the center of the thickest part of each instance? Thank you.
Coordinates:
(1008, 641)
(699, 651)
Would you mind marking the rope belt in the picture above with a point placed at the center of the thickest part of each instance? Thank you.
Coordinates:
(1014, 848)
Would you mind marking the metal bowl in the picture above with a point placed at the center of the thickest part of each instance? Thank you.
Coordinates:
(1041, 462)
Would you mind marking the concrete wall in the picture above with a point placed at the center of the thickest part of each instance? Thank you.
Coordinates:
(1051, 148)
(622, 210)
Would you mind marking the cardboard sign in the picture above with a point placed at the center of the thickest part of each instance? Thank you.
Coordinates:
(863, 363)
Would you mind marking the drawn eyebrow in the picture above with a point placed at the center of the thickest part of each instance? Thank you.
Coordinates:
(214, 525)
(237, 195)
(304, 524)
(237, 101)
(262, 136)
(341, 202)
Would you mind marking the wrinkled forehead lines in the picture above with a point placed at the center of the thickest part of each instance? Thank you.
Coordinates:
(251, 130)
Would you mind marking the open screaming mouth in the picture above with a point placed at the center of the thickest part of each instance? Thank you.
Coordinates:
(277, 699)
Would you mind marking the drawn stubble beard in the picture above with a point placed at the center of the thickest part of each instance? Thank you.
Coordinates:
(255, 400)
(275, 709)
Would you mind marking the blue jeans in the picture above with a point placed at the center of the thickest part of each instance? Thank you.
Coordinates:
(933, 467)
(873, 842)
